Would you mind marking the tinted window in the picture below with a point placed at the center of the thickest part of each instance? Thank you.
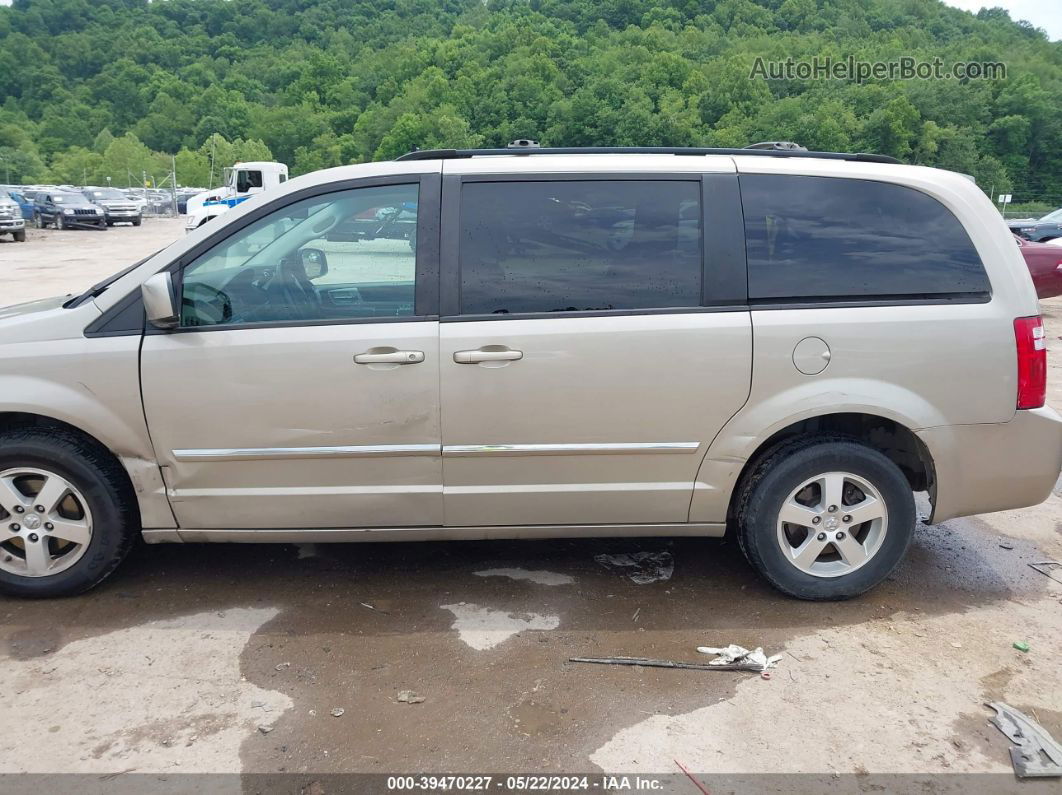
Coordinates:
(245, 180)
(341, 256)
(818, 237)
(579, 245)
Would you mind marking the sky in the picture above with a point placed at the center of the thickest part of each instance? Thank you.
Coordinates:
(1046, 14)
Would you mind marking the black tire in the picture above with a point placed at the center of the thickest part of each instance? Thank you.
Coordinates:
(101, 481)
(136, 221)
(20, 236)
(110, 223)
(59, 222)
(38, 221)
(783, 470)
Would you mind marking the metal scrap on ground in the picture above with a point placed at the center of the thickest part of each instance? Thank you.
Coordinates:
(650, 663)
(1049, 568)
(641, 568)
(1035, 754)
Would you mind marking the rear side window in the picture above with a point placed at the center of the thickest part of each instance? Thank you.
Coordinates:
(826, 238)
(575, 245)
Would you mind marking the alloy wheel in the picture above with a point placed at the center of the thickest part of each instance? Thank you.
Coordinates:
(832, 524)
(45, 523)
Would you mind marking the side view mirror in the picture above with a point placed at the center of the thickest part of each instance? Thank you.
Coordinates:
(160, 302)
(314, 262)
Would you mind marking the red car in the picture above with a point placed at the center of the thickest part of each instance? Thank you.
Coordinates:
(1045, 264)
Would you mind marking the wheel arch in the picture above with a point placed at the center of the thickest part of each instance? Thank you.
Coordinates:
(721, 478)
(141, 476)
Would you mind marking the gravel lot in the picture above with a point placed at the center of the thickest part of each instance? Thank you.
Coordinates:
(236, 659)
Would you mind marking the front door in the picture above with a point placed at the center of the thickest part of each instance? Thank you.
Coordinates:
(301, 389)
(586, 362)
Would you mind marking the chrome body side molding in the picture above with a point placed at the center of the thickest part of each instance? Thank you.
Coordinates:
(277, 453)
(611, 448)
(454, 450)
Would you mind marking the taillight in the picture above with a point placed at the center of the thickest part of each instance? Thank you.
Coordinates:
(1032, 362)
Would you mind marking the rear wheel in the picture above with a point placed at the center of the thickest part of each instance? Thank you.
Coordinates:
(66, 514)
(826, 519)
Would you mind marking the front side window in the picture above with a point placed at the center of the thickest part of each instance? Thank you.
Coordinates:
(576, 246)
(245, 180)
(341, 256)
(830, 238)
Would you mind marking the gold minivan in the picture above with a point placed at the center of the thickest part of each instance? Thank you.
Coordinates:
(541, 343)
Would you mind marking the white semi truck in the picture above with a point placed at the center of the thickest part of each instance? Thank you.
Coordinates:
(241, 182)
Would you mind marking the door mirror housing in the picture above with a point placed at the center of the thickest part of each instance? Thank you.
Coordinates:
(160, 301)
(314, 262)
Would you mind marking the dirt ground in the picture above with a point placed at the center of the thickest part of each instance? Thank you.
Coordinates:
(281, 666)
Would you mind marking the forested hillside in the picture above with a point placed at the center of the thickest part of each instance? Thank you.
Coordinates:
(95, 88)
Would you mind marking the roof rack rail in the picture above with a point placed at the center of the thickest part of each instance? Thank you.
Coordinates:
(456, 154)
(777, 145)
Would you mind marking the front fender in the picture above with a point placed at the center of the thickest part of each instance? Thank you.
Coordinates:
(92, 385)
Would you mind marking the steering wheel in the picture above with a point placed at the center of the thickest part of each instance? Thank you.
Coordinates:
(203, 305)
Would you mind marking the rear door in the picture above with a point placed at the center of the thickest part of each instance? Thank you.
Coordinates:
(594, 340)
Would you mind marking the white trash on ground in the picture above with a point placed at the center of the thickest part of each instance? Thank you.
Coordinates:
(734, 654)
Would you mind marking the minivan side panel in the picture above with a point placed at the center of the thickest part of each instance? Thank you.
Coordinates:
(921, 366)
(920, 363)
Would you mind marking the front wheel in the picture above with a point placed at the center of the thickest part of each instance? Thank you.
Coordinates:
(20, 236)
(67, 515)
(59, 222)
(826, 520)
(38, 221)
(137, 221)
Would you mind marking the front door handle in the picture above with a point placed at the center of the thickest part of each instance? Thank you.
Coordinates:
(390, 357)
(488, 354)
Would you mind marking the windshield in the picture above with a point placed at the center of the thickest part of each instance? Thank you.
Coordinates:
(106, 193)
(1054, 217)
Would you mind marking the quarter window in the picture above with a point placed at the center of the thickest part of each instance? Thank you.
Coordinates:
(830, 238)
(342, 256)
(575, 246)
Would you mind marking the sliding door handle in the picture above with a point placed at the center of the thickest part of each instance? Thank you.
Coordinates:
(488, 354)
(390, 357)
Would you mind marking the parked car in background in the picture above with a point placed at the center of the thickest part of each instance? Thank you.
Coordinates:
(64, 209)
(24, 199)
(1045, 266)
(11, 220)
(117, 207)
(1039, 230)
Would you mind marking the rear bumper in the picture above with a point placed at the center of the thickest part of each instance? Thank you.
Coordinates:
(994, 467)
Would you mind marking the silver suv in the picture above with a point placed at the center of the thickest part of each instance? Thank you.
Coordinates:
(487, 344)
